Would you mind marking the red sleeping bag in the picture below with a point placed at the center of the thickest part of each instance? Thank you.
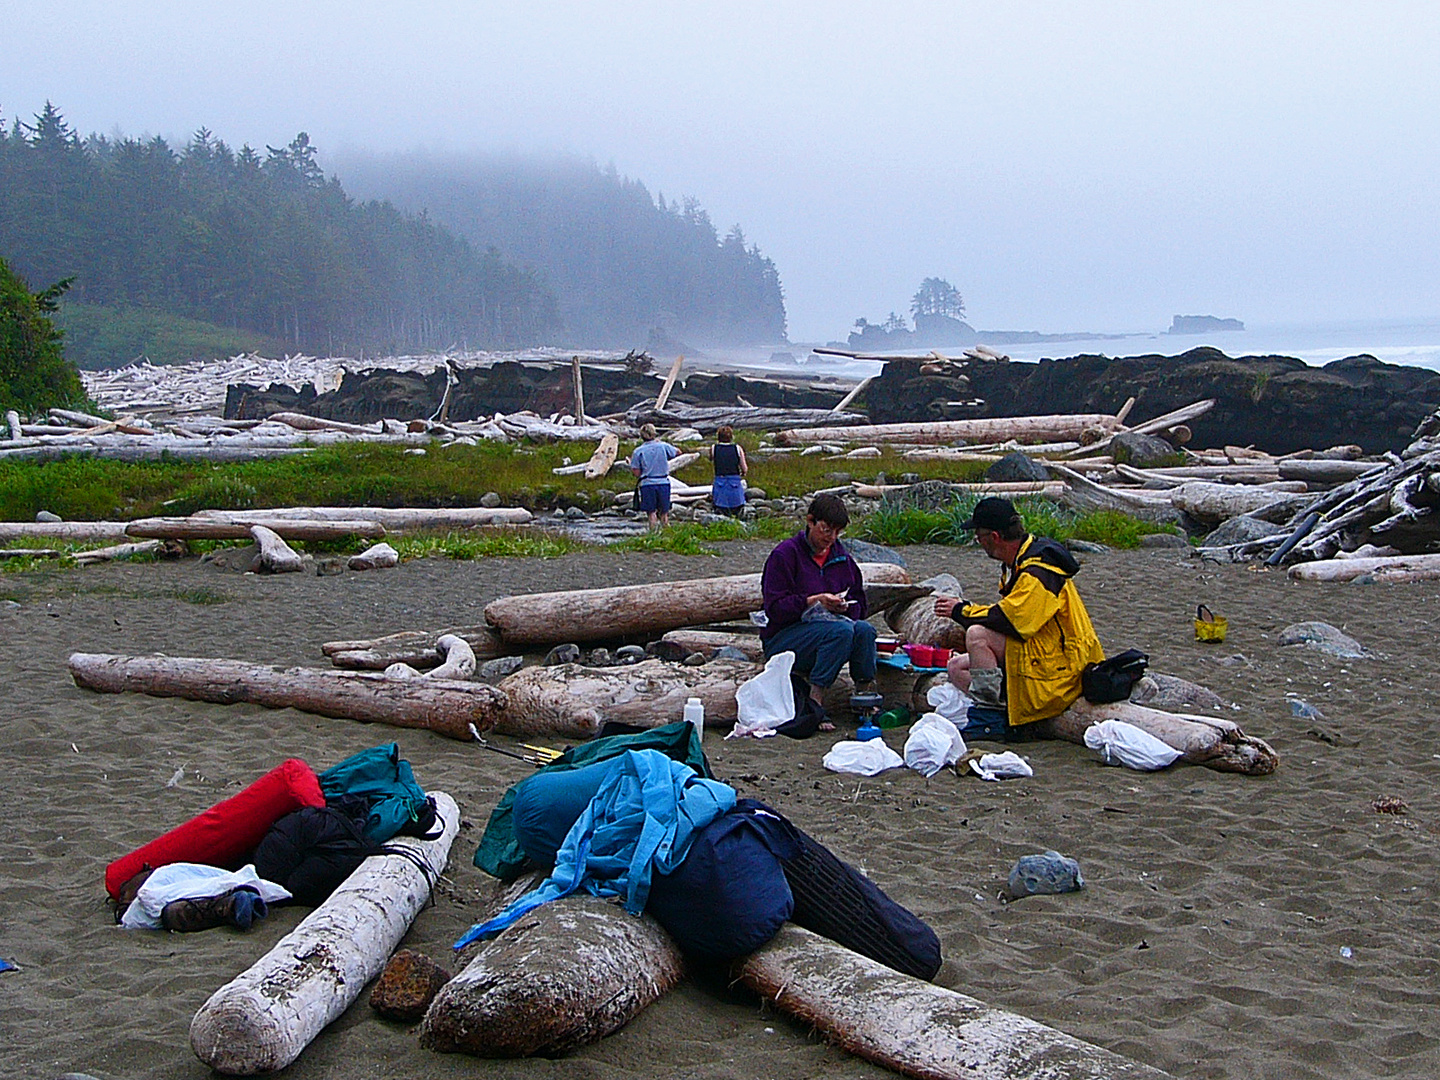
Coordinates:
(229, 831)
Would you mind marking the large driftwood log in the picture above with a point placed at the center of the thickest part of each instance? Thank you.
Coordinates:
(568, 973)
(302, 422)
(573, 702)
(1053, 428)
(443, 706)
(1082, 493)
(1326, 471)
(83, 531)
(1383, 568)
(1214, 503)
(418, 648)
(238, 526)
(913, 1027)
(264, 1018)
(637, 610)
(710, 418)
(392, 518)
(917, 622)
(1203, 740)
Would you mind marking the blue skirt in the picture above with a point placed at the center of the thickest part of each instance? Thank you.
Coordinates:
(728, 492)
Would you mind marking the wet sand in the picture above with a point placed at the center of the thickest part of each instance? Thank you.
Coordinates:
(1207, 942)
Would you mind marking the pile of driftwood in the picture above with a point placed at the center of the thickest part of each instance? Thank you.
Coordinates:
(1381, 524)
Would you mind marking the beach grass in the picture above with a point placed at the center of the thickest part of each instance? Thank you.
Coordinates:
(902, 525)
(83, 488)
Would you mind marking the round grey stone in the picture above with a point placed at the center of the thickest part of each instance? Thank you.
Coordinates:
(490, 500)
(629, 654)
(47, 517)
(696, 659)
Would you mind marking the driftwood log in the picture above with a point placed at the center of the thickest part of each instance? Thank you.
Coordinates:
(118, 551)
(264, 1018)
(1214, 503)
(82, 531)
(1384, 568)
(276, 556)
(1203, 740)
(1082, 493)
(686, 642)
(446, 707)
(1053, 428)
(565, 975)
(710, 418)
(418, 648)
(458, 663)
(638, 610)
(572, 701)
(913, 1027)
(917, 622)
(399, 519)
(238, 526)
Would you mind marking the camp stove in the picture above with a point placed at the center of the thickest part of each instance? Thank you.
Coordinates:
(866, 707)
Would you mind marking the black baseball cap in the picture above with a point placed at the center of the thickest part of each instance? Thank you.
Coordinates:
(993, 514)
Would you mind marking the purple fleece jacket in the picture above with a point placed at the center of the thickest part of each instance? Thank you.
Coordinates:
(791, 575)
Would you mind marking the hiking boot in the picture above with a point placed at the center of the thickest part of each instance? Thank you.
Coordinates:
(987, 686)
(239, 907)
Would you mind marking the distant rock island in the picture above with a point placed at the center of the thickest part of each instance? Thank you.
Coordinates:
(1202, 324)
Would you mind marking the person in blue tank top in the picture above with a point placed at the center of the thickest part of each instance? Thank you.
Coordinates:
(728, 490)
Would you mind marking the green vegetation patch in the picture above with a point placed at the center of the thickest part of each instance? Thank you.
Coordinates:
(901, 525)
(99, 336)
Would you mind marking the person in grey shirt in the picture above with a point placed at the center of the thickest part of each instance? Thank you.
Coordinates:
(651, 463)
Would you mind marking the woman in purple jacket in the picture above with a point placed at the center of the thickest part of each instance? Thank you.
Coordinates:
(815, 602)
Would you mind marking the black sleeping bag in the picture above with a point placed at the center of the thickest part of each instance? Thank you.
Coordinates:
(311, 851)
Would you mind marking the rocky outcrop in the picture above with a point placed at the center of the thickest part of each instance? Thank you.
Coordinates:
(1275, 403)
(509, 387)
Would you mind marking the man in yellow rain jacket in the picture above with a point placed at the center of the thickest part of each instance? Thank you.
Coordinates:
(1038, 638)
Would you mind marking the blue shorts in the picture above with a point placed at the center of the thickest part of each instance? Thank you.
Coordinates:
(655, 498)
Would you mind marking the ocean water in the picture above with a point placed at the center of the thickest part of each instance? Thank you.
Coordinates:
(1416, 343)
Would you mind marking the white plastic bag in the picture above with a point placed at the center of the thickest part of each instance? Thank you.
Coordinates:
(934, 742)
(766, 701)
(950, 702)
(192, 881)
(862, 758)
(1125, 744)
(1006, 766)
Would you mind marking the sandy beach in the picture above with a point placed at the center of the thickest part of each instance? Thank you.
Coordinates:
(1231, 927)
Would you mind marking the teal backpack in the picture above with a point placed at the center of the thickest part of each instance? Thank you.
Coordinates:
(392, 801)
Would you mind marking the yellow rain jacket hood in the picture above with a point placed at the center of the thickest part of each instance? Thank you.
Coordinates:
(1056, 639)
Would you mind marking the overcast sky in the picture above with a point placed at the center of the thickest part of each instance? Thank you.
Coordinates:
(1067, 166)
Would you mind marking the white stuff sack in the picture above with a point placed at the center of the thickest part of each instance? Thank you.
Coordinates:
(1125, 744)
(1006, 766)
(934, 742)
(864, 758)
(766, 701)
(950, 702)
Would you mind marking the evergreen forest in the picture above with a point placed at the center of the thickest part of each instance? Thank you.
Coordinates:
(205, 249)
(622, 263)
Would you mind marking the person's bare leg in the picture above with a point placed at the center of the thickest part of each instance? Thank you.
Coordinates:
(958, 671)
(985, 649)
(817, 695)
(665, 520)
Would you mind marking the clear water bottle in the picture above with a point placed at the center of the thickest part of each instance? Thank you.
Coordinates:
(695, 714)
